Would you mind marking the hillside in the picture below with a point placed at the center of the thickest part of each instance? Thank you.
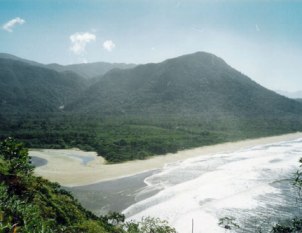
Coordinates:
(90, 70)
(184, 102)
(199, 83)
(31, 204)
(15, 58)
(86, 70)
(299, 100)
(26, 88)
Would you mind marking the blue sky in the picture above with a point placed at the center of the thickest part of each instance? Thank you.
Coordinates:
(260, 38)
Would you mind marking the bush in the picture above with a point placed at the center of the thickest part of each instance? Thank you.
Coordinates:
(149, 225)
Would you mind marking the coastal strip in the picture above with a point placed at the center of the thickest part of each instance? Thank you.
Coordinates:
(73, 167)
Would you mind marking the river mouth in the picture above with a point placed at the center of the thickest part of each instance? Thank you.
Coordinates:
(252, 184)
(114, 195)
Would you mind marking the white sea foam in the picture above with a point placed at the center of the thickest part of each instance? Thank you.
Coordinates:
(207, 188)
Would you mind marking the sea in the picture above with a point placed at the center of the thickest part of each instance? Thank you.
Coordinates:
(252, 187)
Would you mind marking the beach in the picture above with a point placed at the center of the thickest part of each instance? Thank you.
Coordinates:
(73, 167)
(254, 185)
(113, 195)
(249, 180)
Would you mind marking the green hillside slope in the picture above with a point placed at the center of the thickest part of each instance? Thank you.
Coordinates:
(184, 102)
(90, 70)
(30, 204)
(26, 88)
(199, 83)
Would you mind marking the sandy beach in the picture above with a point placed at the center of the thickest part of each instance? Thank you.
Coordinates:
(74, 167)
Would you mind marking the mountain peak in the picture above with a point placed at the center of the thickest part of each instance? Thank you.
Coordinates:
(199, 83)
(199, 58)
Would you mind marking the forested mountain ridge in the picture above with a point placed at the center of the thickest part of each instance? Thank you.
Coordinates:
(91, 70)
(184, 102)
(199, 83)
(15, 58)
(86, 70)
(26, 88)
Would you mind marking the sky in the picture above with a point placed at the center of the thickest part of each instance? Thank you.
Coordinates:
(260, 38)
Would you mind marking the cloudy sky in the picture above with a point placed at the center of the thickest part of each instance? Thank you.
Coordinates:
(261, 38)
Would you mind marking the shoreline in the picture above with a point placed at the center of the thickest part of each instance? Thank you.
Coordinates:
(68, 167)
(113, 195)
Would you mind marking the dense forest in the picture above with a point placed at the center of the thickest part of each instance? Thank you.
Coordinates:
(138, 111)
(136, 137)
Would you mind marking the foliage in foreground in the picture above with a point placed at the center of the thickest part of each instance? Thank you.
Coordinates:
(30, 204)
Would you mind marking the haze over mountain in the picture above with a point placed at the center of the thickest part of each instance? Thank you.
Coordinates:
(86, 70)
(292, 95)
(26, 88)
(15, 58)
(91, 70)
(198, 83)
(184, 102)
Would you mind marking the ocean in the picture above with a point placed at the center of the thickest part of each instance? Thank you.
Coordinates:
(253, 186)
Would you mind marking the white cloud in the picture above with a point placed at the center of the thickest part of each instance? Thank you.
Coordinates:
(12, 23)
(108, 45)
(80, 40)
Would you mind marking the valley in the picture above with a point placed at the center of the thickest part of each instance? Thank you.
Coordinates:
(163, 116)
(134, 113)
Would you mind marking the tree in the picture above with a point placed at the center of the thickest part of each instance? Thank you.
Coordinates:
(16, 156)
(114, 218)
(149, 225)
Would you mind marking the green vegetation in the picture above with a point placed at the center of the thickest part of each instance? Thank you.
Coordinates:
(90, 70)
(152, 109)
(86, 70)
(28, 89)
(126, 138)
(181, 103)
(30, 204)
(149, 225)
(198, 84)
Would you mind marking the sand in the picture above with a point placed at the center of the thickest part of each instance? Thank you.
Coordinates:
(74, 167)
(113, 195)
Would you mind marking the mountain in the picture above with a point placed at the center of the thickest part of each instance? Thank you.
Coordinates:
(91, 70)
(198, 83)
(26, 88)
(184, 102)
(15, 58)
(86, 70)
(292, 95)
